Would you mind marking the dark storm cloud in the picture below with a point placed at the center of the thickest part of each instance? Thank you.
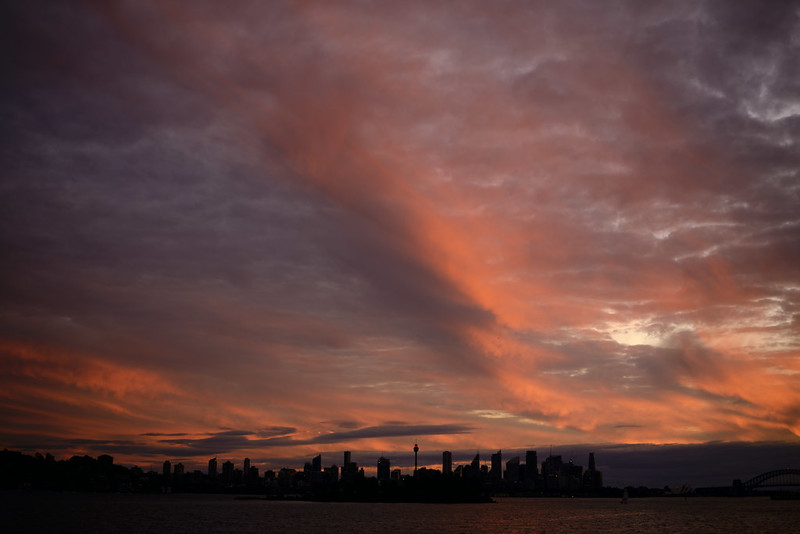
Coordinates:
(275, 431)
(350, 425)
(229, 441)
(96, 447)
(384, 431)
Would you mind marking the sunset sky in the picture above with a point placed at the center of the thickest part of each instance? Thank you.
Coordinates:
(276, 229)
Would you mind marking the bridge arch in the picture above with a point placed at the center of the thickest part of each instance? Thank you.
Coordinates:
(773, 479)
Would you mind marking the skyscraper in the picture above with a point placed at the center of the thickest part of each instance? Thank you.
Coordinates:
(473, 470)
(212, 468)
(447, 463)
(529, 473)
(167, 468)
(227, 471)
(555, 474)
(332, 473)
(497, 466)
(316, 463)
(512, 470)
(246, 468)
(592, 478)
(476, 462)
(383, 468)
(531, 463)
(349, 469)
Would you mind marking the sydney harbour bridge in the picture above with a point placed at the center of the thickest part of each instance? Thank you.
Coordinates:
(781, 478)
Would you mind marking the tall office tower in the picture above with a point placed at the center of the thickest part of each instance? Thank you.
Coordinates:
(178, 469)
(246, 469)
(592, 478)
(447, 463)
(316, 463)
(167, 468)
(333, 473)
(416, 450)
(384, 468)
(554, 475)
(227, 471)
(473, 470)
(497, 466)
(531, 463)
(349, 470)
(512, 470)
(212, 468)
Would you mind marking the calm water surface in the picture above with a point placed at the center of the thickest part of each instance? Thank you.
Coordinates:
(90, 513)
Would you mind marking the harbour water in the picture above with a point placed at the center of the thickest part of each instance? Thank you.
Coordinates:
(43, 512)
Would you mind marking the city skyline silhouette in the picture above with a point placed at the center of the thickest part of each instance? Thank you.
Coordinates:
(477, 480)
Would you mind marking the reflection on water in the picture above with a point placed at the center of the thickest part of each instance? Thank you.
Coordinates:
(75, 512)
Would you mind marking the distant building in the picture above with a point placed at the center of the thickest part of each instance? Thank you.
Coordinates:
(252, 476)
(349, 469)
(166, 469)
(383, 468)
(532, 463)
(316, 464)
(512, 470)
(592, 478)
(447, 463)
(497, 467)
(286, 478)
(246, 468)
(332, 473)
(529, 471)
(574, 476)
(552, 475)
(212, 468)
(473, 470)
(179, 469)
(227, 471)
